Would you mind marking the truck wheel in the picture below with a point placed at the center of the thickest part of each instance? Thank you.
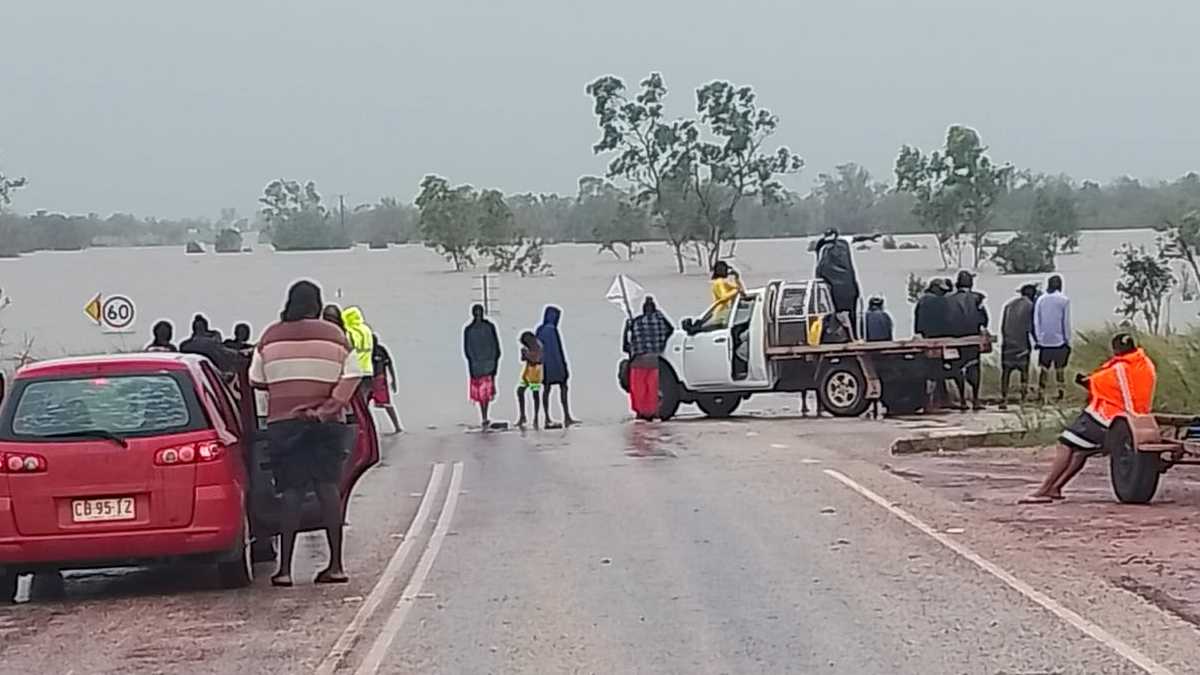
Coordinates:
(670, 392)
(263, 550)
(843, 390)
(903, 397)
(1134, 474)
(719, 406)
(237, 571)
(8, 586)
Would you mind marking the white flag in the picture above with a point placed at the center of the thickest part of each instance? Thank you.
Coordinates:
(626, 294)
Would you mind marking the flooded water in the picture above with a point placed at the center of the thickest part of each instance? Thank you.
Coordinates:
(419, 307)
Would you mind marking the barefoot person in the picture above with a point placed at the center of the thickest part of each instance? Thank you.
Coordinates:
(645, 338)
(310, 373)
(481, 348)
(383, 383)
(532, 377)
(1052, 331)
(554, 366)
(1124, 384)
(1016, 329)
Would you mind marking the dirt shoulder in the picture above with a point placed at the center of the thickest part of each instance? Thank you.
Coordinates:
(1151, 550)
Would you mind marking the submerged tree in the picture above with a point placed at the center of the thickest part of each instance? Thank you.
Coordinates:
(956, 189)
(1144, 285)
(726, 161)
(297, 219)
(449, 221)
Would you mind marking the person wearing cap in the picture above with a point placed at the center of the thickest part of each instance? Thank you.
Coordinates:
(968, 317)
(1123, 385)
(1016, 344)
(878, 322)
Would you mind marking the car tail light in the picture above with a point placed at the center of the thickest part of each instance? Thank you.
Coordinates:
(192, 453)
(22, 462)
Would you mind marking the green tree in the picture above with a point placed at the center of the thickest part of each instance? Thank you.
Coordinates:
(1056, 218)
(725, 156)
(1026, 253)
(449, 220)
(955, 188)
(229, 240)
(848, 198)
(297, 219)
(1144, 285)
(646, 149)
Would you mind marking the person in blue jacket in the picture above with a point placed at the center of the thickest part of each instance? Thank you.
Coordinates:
(554, 366)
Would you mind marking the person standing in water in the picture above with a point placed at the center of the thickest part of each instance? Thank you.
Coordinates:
(532, 377)
(163, 333)
(554, 366)
(362, 339)
(310, 373)
(381, 388)
(481, 348)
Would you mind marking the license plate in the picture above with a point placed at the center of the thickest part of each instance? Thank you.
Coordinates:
(96, 510)
(950, 353)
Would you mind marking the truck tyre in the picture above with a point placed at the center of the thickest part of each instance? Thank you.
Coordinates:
(670, 392)
(237, 570)
(718, 406)
(903, 397)
(8, 586)
(843, 390)
(1134, 474)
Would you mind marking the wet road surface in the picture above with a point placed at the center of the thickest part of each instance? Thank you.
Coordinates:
(691, 547)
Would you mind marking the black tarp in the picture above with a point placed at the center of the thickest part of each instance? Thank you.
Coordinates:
(836, 267)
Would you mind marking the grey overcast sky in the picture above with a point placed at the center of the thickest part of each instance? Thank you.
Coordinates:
(167, 108)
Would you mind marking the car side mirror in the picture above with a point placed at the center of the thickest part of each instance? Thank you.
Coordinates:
(688, 326)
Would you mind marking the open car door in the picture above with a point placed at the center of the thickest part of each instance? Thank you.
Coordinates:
(265, 501)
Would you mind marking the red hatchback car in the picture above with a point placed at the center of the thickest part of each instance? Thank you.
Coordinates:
(126, 460)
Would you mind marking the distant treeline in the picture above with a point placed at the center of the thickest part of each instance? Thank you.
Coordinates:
(601, 213)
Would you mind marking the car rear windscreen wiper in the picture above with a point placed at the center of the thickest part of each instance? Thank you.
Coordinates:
(91, 433)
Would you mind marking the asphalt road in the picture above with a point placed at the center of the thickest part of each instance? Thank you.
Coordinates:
(747, 546)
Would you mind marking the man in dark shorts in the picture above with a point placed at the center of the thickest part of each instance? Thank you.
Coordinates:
(1123, 385)
(1052, 331)
(310, 373)
(1016, 331)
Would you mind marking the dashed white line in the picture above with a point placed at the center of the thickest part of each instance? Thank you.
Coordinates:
(1090, 629)
(374, 659)
(388, 579)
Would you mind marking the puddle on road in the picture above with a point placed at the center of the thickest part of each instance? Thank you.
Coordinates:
(648, 441)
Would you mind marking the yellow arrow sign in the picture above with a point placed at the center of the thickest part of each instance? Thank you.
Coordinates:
(92, 309)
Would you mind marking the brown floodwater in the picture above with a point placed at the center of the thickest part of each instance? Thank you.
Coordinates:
(419, 306)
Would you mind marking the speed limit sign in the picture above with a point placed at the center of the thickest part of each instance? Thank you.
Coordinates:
(117, 313)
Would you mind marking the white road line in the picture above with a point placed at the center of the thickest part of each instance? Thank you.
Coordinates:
(388, 579)
(1092, 630)
(395, 622)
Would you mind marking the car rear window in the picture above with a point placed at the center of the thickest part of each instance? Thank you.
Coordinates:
(126, 405)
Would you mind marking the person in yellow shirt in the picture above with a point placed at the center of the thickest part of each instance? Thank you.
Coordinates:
(726, 286)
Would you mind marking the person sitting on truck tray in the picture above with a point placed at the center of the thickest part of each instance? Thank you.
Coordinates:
(726, 287)
(1016, 329)
(1124, 384)
(878, 321)
(969, 317)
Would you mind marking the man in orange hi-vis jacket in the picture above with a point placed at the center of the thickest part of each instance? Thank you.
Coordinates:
(1125, 383)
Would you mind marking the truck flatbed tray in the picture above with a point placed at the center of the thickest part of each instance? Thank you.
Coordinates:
(913, 346)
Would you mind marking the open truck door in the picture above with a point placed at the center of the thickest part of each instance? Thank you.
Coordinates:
(362, 452)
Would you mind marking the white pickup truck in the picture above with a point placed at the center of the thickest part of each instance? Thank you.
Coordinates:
(764, 348)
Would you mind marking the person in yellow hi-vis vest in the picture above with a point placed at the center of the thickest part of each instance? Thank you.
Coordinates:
(362, 340)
